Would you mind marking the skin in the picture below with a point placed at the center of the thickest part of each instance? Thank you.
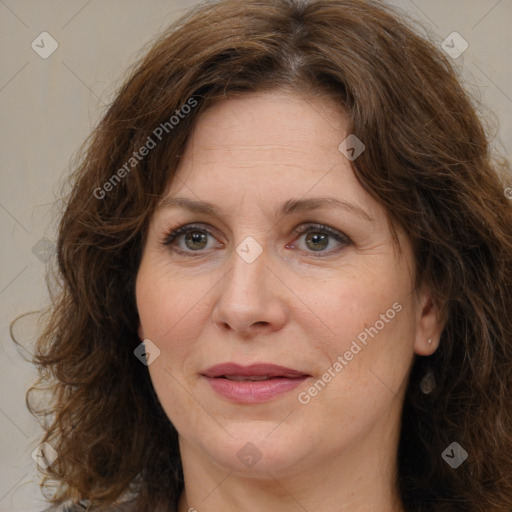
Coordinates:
(294, 305)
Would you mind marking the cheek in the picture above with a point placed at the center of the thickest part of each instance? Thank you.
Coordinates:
(366, 362)
(360, 298)
(371, 322)
(171, 315)
(165, 301)
(162, 312)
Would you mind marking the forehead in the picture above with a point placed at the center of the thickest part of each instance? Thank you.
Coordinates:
(271, 122)
(271, 139)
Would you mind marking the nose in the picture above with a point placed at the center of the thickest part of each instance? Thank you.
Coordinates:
(249, 301)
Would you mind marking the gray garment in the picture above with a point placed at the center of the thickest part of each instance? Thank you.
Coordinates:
(82, 506)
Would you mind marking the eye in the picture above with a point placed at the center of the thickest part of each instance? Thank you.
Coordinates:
(189, 238)
(196, 238)
(318, 238)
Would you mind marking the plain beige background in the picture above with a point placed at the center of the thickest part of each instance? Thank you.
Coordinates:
(48, 107)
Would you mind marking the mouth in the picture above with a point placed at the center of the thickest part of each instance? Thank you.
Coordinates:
(252, 384)
(253, 378)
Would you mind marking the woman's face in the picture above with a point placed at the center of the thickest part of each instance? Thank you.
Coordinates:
(287, 277)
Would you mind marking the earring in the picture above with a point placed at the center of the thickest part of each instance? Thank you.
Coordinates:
(428, 383)
(429, 341)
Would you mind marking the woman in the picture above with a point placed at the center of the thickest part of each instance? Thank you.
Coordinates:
(286, 278)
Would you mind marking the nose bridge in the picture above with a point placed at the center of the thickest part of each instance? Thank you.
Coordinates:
(248, 268)
(245, 296)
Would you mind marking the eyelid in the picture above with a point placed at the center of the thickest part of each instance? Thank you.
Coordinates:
(343, 239)
(174, 232)
(320, 227)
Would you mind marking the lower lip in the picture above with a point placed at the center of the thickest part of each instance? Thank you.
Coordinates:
(249, 392)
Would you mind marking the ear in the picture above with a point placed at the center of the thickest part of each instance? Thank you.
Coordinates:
(429, 325)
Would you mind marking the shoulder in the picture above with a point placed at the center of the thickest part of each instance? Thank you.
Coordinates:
(82, 507)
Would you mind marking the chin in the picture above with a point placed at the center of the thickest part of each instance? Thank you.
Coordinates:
(255, 448)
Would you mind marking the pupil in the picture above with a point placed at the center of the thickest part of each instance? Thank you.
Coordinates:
(316, 238)
(196, 238)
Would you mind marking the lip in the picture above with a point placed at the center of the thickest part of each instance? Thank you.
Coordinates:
(238, 388)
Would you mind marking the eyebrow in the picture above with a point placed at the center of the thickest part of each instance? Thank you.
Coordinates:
(287, 208)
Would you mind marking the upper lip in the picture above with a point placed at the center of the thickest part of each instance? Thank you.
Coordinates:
(253, 370)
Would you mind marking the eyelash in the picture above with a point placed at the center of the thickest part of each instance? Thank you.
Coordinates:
(175, 233)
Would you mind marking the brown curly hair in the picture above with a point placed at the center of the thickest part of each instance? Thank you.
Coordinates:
(427, 161)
